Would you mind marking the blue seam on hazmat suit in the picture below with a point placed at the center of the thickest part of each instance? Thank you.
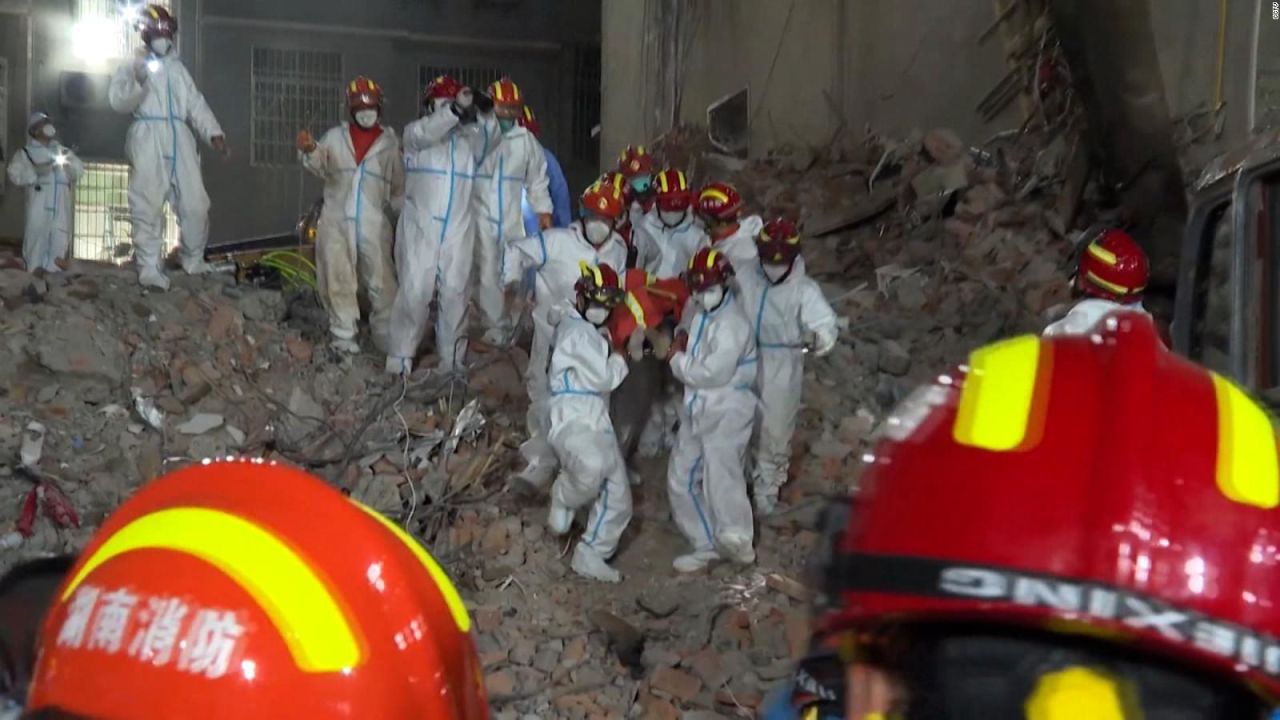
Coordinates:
(697, 464)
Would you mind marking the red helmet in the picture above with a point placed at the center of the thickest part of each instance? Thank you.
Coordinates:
(529, 121)
(156, 21)
(779, 242)
(253, 590)
(673, 191)
(444, 87)
(363, 94)
(602, 199)
(635, 160)
(719, 202)
(707, 269)
(506, 93)
(1085, 490)
(1113, 267)
(599, 284)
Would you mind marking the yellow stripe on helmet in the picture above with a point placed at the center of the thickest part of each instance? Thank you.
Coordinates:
(995, 404)
(1102, 253)
(303, 610)
(1074, 693)
(1247, 471)
(353, 86)
(715, 194)
(711, 258)
(451, 597)
(497, 92)
(595, 270)
(1116, 288)
(662, 182)
(683, 182)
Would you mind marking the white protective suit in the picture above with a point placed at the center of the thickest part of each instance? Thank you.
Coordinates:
(516, 162)
(1085, 314)
(163, 161)
(556, 255)
(740, 247)
(672, 248)
(584, 371)
(49, 200)
(781, 316)
(435, 239)
(705, 478)
(354, 234)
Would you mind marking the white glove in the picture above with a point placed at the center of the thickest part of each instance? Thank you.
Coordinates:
(825, 342)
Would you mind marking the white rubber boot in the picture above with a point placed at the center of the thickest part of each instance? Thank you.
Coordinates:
(399, 366)
(695, 561)
(154, 279)
(559, 519)
(738, 548)
(345, 345)
(588, 563)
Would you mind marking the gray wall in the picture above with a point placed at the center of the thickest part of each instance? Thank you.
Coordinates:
(892, 64)
(385, 39)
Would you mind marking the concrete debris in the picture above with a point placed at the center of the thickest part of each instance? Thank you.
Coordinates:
(200, 423)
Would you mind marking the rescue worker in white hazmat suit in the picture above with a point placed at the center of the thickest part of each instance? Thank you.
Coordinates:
(363, 175)
(714, 355)
(556, 254)
(785, 305)
(1111, 275)
(48, 170)
(584, 370)
(719, 207)
(675, 236)
(164, 165)
(435, 237)
(512, 160)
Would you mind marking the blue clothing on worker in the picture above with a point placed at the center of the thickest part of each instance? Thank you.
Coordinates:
(561, 202)
(778, 706)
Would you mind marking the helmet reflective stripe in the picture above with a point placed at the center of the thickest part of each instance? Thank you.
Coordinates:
(1113, 287)
(353, 86)
(998, 396)
(450, 593)
(662, 183)
(715, 194)
(637, 311)
(308, 617)
(155, 14)
(1247, 470)
(1102, 253)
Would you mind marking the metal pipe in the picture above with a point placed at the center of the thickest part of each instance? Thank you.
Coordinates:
(1222, 52)
(1251, 106)
(383, 33)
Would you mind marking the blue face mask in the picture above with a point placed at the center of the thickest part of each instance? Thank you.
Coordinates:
(641, 184)
(506, 124)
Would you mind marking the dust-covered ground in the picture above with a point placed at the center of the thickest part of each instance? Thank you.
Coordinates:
(929, 248)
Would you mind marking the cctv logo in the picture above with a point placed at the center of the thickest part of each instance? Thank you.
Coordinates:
(1224, 639)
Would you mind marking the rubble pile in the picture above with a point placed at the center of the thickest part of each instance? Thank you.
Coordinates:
(926, 246)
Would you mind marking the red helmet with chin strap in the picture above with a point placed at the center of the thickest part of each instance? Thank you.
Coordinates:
(598, 284)
(364, 94)
(156, 21)
(673, 191)
(1096, 502)
(719, 202)
(443, 87)
(707, 269)
(635, 160)
(778, 242)
(602, 199)
(1113, 267)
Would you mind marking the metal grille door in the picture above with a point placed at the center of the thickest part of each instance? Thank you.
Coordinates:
(292, 89)
(103, 229)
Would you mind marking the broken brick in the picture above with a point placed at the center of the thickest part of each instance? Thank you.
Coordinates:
(676, 683)
(791, 588)
(500, 683)
(488, 619)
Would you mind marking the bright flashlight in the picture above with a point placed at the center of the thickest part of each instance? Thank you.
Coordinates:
(131, 13)
(91, 40)
(60, 159)
(153, 65)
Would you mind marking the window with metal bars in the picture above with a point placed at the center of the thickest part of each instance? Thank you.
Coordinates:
(291, 90)
(118, 17)
(103, 229)
(586, 104)
(476, 78)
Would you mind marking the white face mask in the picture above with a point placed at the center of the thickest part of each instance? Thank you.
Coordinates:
(598, 231)
(775, 272)
(366, 118)
(711, 298)
(49, 132)
(596, 315)
(161, 46)
(672, 218)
